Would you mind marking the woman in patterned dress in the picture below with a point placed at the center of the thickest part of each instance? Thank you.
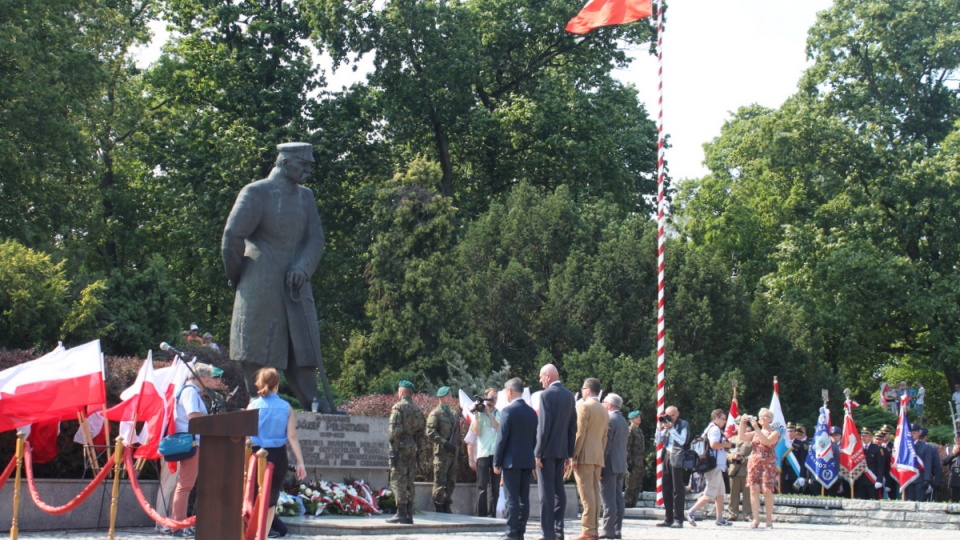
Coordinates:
(762, 467)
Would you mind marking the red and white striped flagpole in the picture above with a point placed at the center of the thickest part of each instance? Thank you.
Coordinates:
(661, 240)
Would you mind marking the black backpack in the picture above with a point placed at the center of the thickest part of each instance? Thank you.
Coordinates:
(700, 457)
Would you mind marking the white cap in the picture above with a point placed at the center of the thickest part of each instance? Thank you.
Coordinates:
(194, 327)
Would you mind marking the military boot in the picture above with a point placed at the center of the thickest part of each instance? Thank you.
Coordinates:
(439, 507)
(446, 508)
(409, 514)
(401, 516)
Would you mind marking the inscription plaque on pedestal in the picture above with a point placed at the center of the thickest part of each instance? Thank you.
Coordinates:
(343, 442)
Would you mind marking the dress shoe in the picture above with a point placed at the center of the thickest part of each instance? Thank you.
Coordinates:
(664, 524)
(676, 525)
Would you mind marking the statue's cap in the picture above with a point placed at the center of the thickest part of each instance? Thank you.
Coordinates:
(633, 414)
(407, 384)
(299, 150)
(442, 391)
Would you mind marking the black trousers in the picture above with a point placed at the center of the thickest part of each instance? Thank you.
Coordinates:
(488, 487)
(673, 493)
(553, 499)
(516, 486)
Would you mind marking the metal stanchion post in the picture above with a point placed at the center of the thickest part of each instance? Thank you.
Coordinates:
(261, 497)
(115, 499)
(15, 523)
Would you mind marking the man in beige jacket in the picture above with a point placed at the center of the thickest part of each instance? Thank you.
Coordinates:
(588, 452)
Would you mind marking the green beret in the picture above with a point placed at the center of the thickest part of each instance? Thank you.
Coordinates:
(633, 414)
(408, 384)
(442, 391)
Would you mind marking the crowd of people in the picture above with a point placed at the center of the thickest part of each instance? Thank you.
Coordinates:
(603, 450)
(588, 438)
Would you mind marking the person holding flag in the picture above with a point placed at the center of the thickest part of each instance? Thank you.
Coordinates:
(762, 466)
(905, 466)
(821, 459)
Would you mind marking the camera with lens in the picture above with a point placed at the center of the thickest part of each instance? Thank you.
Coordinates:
(480, 404)
(750, 418)
(665, 419)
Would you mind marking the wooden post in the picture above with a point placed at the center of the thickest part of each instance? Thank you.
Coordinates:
(115, 498)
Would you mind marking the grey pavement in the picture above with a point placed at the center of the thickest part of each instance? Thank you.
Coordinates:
(632, 530)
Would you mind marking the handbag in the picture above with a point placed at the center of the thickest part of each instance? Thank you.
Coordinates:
(178, 447)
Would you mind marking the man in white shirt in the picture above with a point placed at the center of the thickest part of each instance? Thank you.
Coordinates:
(486, 423)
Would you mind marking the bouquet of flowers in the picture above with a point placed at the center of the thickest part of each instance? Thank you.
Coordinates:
(386, 500)
(319, 497)
(289, 505)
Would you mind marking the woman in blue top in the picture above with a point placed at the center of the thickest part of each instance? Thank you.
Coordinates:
(277, 427)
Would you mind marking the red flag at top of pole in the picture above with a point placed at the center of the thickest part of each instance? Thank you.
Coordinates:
(599, 13)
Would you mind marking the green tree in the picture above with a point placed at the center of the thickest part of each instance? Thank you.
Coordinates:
(497, 92)
(412, 307)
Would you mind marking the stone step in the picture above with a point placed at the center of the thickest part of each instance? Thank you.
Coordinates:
(791, 509)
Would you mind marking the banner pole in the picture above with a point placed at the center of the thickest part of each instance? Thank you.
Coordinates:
(661, 242)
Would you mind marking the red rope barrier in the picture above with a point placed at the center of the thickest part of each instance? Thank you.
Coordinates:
(257, 527)
(147, 508)
(8, 471)
(250, 491)
(73, 503)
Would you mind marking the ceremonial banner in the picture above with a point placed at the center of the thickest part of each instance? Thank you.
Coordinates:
(853, 462)
(821, 460)
(733, 418)
(54, 386)
(783, 448)
(905, 465)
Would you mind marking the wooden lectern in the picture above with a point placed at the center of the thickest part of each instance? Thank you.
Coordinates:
(220, 481)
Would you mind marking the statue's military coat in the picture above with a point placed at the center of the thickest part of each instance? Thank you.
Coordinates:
(274, 228)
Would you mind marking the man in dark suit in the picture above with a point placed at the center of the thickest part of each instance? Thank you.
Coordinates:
(865, 487)
(516, 439)
(556, 434)
(614, 469)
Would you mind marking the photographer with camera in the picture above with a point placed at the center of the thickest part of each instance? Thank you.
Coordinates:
(486, 423)
(673, 432)
(715, 490)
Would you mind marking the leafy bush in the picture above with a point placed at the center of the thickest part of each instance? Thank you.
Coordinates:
(34, 297)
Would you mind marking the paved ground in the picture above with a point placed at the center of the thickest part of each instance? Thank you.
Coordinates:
(633, 530)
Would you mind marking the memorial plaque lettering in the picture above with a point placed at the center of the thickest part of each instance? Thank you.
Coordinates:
(337, 441)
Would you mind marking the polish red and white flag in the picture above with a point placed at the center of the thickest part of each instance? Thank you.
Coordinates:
(54, 386)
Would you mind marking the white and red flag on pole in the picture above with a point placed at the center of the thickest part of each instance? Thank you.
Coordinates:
(54, 386)
(733, 418)
(599, 13)
(150, 399)
(853, 461)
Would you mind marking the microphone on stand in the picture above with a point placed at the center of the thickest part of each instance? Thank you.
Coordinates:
(164, 346)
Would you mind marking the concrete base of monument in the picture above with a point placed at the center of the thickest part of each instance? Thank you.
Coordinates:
(94, 513)
(423, 523)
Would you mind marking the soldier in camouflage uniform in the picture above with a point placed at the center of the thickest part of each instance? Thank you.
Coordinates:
(406, 432)
(636, 451)
(443, 430)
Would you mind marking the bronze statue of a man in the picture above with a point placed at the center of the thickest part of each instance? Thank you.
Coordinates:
(271, 246)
